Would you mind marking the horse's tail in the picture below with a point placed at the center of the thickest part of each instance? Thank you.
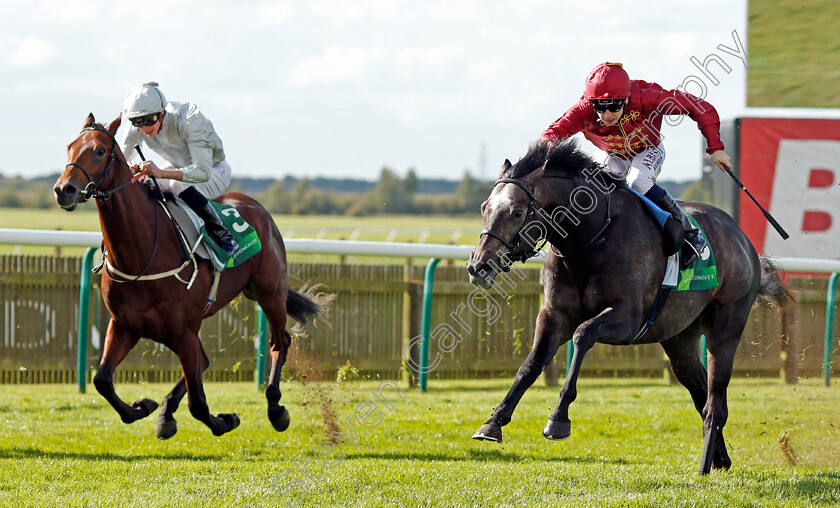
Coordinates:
(308, 304)
(772, 290)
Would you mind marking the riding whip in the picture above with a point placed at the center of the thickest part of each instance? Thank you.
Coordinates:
(767, 215)
(137, 176)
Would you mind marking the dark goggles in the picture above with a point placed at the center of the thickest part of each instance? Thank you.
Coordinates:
(145, 121)
(611, 105)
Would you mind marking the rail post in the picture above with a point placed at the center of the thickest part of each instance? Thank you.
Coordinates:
(426, 322)
(262, 346)
(84, 317)
(829, 328)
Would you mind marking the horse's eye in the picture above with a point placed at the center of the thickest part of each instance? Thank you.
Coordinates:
(100, 151)
(517, 214)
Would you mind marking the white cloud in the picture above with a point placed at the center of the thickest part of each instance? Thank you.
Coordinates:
(32, 52)
(274, 14)
(679, 43)
(335, 66)
(428, 57)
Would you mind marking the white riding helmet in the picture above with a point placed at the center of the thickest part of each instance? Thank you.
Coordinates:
(143, 100)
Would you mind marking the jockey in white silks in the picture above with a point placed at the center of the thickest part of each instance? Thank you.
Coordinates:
(185, 138)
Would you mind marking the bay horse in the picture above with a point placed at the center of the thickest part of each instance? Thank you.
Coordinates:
(602, 274)
(138, 241)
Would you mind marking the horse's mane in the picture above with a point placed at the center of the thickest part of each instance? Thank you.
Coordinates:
(560, 159)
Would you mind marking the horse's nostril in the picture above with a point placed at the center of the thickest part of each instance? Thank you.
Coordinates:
(470, 269)
(66, 190)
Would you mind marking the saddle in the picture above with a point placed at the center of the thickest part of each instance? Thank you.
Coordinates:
(701, 274)
(673, 235)
(192, 230)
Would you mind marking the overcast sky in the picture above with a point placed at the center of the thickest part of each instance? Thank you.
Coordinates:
(343, 88)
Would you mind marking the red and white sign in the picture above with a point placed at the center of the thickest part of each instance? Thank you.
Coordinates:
(792, 167)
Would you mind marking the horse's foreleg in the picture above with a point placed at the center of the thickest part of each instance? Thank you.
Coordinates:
(611, 324)
(118, 343)
(166, 424)
(194, 362)
(551, 328)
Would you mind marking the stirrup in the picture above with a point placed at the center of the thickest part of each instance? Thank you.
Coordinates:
(688, 255)
(692, 252)
(226, 242)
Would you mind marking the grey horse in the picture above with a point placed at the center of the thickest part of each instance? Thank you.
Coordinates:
(602, 276)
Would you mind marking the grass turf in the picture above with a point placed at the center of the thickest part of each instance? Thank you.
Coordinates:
(634, 443)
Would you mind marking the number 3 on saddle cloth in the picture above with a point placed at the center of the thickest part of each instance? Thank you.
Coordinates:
(702, 274)
(191, 225)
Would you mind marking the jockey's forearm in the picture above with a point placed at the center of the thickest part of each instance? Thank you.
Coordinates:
(171, 173)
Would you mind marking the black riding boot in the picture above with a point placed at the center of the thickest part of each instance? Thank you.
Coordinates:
(212, 223)
(693, 239)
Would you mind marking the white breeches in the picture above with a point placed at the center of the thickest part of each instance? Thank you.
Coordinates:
(214, 187)
(641, 171)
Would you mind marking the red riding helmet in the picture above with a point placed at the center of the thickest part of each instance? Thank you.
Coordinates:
(607, 81)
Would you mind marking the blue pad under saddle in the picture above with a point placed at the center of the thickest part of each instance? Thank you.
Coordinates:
(659, 214)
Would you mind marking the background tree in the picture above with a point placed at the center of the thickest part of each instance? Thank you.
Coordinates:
(275, 199)
(392, 195)
(470, 193)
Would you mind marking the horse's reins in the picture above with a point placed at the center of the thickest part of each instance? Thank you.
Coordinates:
(600, 232)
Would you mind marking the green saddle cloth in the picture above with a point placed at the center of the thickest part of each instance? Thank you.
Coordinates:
(243, 233)
(702, 274)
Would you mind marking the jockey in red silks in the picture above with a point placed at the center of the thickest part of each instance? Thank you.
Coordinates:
(623, 117)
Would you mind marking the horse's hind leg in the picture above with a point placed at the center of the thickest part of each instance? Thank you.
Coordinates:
(683, 351)
(278, 347)
(715, 413)
(118, 343)
(194, 362)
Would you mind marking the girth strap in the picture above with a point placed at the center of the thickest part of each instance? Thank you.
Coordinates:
(655, 309)
(211, 295)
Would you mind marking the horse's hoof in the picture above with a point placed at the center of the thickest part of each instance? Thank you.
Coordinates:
(146, 406)
(557, 430)
(279, 418)
(231, 420)
(489, 432)
(167, 429)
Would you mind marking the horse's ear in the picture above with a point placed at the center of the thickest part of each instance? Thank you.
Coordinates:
(505, 168)
(534, 176)
(114, 125)
(89, 121)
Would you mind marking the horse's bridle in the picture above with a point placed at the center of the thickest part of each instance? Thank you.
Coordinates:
(510, 258)
(512, 245)
(91, 189)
